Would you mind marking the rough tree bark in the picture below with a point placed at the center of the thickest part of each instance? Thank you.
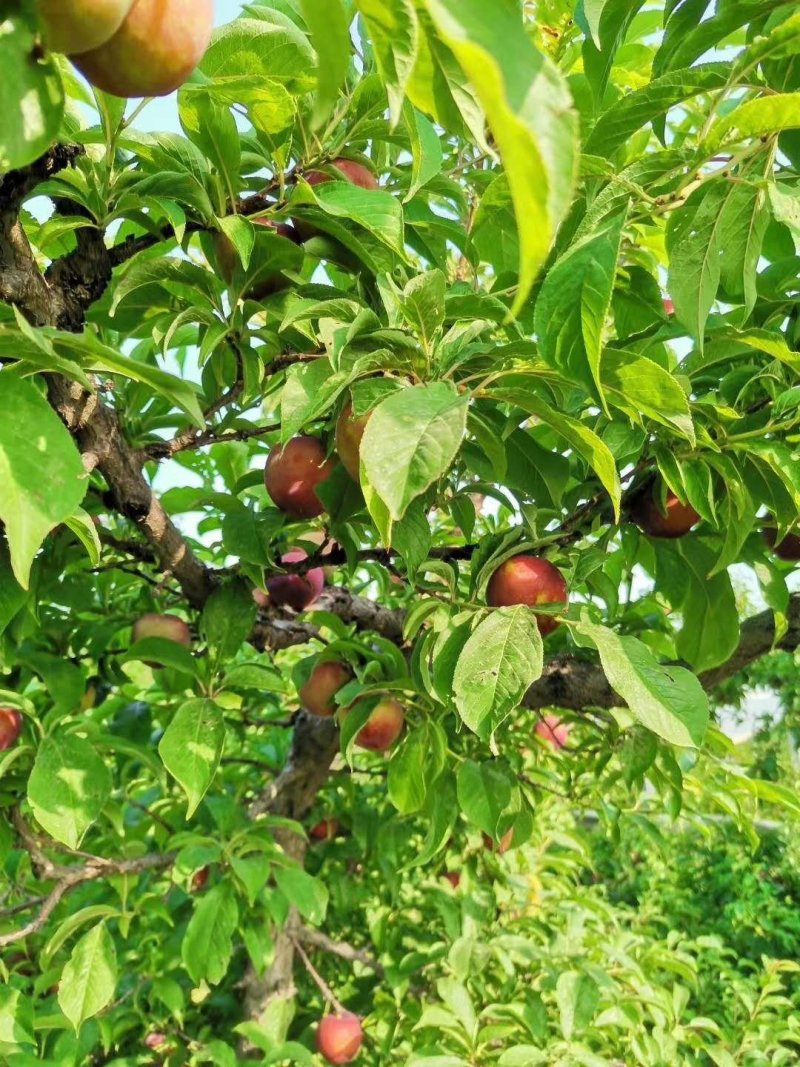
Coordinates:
(60, 297)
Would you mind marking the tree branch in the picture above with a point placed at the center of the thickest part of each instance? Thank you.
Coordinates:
(316, 939)
(67, 878)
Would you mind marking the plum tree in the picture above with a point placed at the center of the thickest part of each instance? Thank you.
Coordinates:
(530, 580)
(349, 432)
(155, 49)
(324, 830)
(339, 1037)
(537, 346)
(318, 691)
(10, 727)
(293, 473)
(384, 725)
(552, 730)
(349, 170)
(74, 26)
(297, 591)
(787, 549)
(676, 520)
(269, 282)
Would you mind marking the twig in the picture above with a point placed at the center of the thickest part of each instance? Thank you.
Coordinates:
(345, 951)
(68, 877)
(324, 988)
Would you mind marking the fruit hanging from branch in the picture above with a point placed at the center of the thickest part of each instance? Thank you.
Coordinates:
(348, 170)
(75, 26)
(553, 731)
(530, 580)
(293, 473)
(10, 727)
(155, 49)
(318, 691)
(674, 520)
(339, 1037)
(384, 725)
(297, 591)
(349, 431)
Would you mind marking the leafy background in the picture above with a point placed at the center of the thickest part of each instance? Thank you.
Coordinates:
(575, 285)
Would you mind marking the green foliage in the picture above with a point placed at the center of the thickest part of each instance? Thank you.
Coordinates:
(546, 255)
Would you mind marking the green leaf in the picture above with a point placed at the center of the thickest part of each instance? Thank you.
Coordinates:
(183, 394)
(31, 93)
(635, 109)
(667, 700)
(191, 748)
(710, 631)
(640, 386)
(16, 1020)
(68, 787)
(70, 925)
(484, 792)
(577, 996)
(376, 210)
(530, 114)
(89, 978)
(41, 472)
(85, 530)
(212, 127)
(413, 768)
(308, 894)
(393, 29)
(440, 816)
(208, 942)
(499, 662)
(577, 435)
(426, 150)
(422, 305)
(330, 35)
(573, 303)
(755, 118)
(694, 246)
(228, 617)
(162, 651)
(411, 440)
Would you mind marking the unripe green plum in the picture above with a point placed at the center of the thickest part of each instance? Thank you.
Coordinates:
(349, 432)
(293, 473)
(528, 580)
(154, 51)
(74, 26)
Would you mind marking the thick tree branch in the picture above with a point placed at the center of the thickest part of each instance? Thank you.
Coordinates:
(99, 436)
